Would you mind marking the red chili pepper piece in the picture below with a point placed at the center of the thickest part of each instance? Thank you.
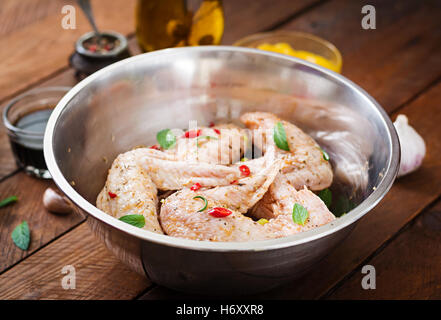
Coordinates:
(193, 133)
(211, 125)
(219, 212)
(156, 147)
(92, 48)
(234, 182)
(217, 131)
(112, 195)
(245, 170)
(196, 187)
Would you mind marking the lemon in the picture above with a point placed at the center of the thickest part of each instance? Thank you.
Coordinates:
(285, 48)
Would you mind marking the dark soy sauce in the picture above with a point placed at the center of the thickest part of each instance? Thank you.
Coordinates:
(28, 150)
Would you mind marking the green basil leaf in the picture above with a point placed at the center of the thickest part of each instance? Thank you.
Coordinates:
(299, 214)
(280, 137)
(8, 200)
(21, 236)
(326, 196)
(166, 138)
(325, 154)
(136, 220)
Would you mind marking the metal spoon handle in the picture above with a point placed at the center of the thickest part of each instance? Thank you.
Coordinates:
(87, 9)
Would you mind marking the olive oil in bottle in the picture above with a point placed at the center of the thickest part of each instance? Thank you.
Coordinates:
(174, 23)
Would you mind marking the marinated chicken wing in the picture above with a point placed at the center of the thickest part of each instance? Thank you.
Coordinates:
(135, 176)
(280, 200)
(226, 188)
(181, 216)
(130, 190)
(304, 164)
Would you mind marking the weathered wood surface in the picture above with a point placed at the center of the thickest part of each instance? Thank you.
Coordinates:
(15, 14)
(44, 226)
(99, 275)
(38, 50)
(394, 62)
(408, 268)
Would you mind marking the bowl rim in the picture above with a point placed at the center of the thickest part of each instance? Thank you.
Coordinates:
(262, 245)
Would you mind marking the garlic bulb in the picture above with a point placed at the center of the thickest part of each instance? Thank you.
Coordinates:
(413, 148)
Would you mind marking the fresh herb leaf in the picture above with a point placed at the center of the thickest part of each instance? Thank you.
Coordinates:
(166, 138)
(7, 201)
(326, 196)
(280, 137)
(205, 202)
(136, 220)
(325, 154)
(299, 214)
(21, 236)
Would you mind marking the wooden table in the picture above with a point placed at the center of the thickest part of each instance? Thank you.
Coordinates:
(398, 63)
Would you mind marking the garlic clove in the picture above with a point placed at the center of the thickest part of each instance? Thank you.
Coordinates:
(56, 203)
(413, 148)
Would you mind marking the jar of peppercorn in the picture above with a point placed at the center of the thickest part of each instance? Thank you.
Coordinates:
(96, 51)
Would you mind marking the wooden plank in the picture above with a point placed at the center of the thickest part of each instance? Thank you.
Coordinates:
(99, 274)
(243, 18)
(407, 198)
(394, 62)
(18, 14)
(38, 50)
(408, 268)
(44, 226)
(36, 56)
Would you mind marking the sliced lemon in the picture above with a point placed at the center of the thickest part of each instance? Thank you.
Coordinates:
(285, 48)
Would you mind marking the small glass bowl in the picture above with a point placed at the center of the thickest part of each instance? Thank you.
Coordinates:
(298, 41)
(25, 118)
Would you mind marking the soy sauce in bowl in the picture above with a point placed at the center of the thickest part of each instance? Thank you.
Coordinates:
(25, 118)
(28, 151)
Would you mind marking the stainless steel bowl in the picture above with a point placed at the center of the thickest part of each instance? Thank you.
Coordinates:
(125, 104)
